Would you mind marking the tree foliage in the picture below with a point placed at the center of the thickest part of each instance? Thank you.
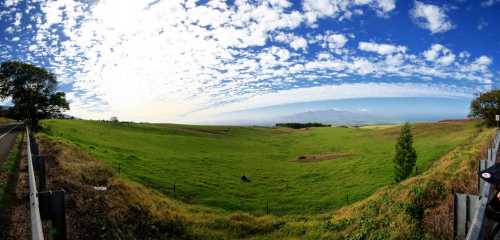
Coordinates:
(32, 90)
(486, 106)
(406, 156)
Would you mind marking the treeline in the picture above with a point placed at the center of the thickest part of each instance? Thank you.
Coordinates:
(301, 125)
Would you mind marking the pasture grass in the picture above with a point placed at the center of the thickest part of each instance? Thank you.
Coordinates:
(130, 210)
(206, 163)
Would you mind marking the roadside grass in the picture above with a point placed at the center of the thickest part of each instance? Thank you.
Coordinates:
(206, 163)
(5, 120)
(8, 167)
(418, 208)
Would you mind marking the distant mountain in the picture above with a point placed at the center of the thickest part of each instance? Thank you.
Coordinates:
(354, 111)
(332, 116)
(336, 117)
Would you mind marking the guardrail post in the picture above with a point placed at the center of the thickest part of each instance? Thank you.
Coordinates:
(465, 206)
(59, 213)
(469, 210)
(40, 165)
(33, 145)
(52, 208)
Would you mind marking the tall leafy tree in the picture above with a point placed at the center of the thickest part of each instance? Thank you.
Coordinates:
(486, 106)
(32, 90)
(406, 156)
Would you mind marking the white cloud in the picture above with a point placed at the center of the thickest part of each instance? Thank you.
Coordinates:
(439, 54)
(480, 64)
(299, 43)
(489, 3)
(295, 42)
(18, 17)
(343, 9)
(382, 49)
(386, 5)
(395, 60)
(10, 29)
(431, 17)
(484, 60)
(285, 37)
(363, 66)
(482, 24)
(11, 3)
(336, 40)
(283, 54)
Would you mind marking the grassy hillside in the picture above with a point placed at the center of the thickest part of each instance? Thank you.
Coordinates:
(417, 208)
(297, 171)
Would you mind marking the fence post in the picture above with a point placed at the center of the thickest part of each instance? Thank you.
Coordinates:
(267, 207)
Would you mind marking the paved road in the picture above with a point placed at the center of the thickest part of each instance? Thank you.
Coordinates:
(7, 138)
(14, 218)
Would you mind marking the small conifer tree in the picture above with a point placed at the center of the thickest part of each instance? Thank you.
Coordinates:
(406, 156)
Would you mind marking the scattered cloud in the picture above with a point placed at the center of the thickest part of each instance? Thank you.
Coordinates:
(211, 56)
(168, 60)
(343, 9)
(11, 3)
(431, 17)
(439, 54)
(489, 3)
(482, 24)
(336, 41)
(299, 43)
(382, 49)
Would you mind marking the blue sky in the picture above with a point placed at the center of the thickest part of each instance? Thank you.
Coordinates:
(184, 61)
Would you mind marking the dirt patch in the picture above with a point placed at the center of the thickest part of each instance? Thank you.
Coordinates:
(322, 157)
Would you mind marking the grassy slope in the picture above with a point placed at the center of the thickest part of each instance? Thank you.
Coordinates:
(206, 163)
(133, 211)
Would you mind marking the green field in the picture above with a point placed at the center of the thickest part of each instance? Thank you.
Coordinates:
(206, 163)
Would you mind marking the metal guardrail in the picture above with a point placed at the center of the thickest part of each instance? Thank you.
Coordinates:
(36, 222)
(472, 228)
